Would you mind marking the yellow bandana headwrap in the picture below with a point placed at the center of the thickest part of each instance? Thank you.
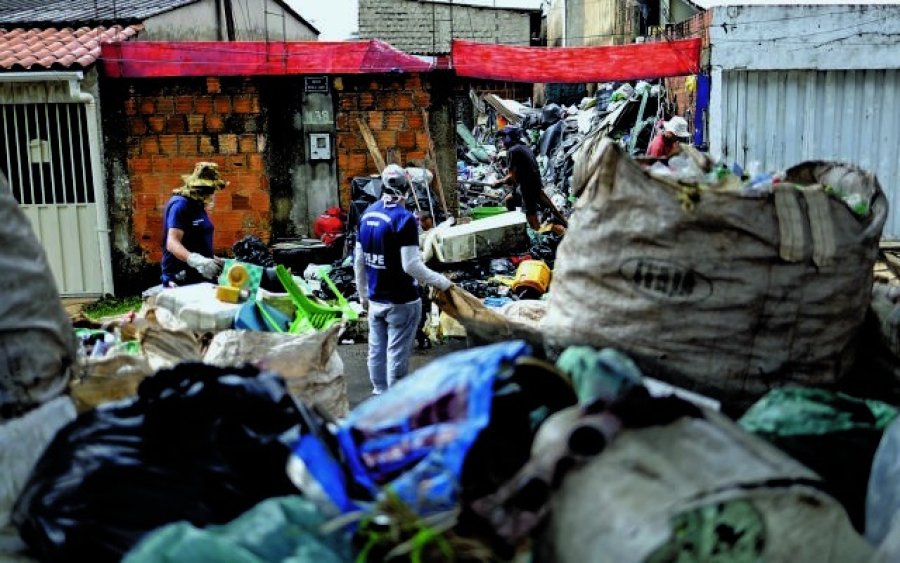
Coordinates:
(202, 183)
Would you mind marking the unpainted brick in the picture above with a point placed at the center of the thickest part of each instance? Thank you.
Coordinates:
(386, 140)
(150, 145)
(195, 123)
(404, 101)
(206, 145)
(137, 126)
(176, 124)
(140, 165)
(228, 144)
(187, 144)
(241, 104)
(222, 104)
(184, 104)
(214, 123)
(406, 139)
(165, 105)
(168, 144)
(156, 124)
(375, 120)
(247, 144)
(366, 101)
(395, 120)
(203, 105)
(414, 120)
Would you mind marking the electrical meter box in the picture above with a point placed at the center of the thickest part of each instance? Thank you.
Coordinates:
(319, 146)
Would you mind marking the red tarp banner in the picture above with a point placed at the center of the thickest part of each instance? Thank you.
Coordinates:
(576, 64)
(247, 58)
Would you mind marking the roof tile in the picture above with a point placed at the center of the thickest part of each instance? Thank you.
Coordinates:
(24, 49)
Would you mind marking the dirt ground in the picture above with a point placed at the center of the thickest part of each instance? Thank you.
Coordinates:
(356, 370)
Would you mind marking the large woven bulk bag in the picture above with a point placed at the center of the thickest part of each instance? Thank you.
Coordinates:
(698, 489)
(37, 344)
(717, 292)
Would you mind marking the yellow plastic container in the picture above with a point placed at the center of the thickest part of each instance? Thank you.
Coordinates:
(228, 293)
(532, 274)
(238, 276)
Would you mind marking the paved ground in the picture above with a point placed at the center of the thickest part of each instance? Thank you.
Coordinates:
(356, 370)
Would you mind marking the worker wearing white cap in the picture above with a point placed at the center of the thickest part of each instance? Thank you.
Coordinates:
(388, 268)
(665, 144)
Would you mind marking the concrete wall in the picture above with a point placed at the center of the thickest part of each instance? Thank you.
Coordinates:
(597, 22)
(315, 186)
(823, 37)
(679, 11)
(604, 22)
(253, 20)
(427, 28)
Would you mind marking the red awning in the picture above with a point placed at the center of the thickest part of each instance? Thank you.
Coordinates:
(247, 58)
(576, 64)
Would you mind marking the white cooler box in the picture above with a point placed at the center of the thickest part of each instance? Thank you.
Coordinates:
(500, 235)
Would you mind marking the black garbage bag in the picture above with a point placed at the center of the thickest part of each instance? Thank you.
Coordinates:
(198, 443)
(252, 250)
(344, 280)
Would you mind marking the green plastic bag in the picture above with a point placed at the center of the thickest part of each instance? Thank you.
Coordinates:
(277, 529)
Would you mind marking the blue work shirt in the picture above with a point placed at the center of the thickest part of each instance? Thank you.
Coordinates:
(383, 230)
(190, 216)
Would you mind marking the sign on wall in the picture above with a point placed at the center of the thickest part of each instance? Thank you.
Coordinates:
(315, 84)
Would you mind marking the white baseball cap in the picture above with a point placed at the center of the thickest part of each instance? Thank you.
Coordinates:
(677, 126)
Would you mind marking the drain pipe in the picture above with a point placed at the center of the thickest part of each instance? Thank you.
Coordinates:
(103, 231)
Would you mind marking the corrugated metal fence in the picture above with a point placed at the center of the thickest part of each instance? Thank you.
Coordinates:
(781, 118)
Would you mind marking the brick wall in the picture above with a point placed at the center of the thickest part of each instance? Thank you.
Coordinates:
(697, 26)
(392, 108)
(173, 124)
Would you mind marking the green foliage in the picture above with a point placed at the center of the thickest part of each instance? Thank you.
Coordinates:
(110, 306)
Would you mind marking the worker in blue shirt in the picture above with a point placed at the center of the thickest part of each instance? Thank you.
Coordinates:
(388, 267)
(188, 231)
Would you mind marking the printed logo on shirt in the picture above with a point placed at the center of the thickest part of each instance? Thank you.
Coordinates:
(197, 222)
(374, 260)
(376, 215)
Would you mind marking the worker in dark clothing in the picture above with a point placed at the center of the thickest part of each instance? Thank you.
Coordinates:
(188, 231)
(524, 171)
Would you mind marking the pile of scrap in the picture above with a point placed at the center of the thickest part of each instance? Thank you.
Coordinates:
(702, 440)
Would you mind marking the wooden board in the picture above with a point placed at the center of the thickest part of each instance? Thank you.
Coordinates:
(430, 149)
(371, 144)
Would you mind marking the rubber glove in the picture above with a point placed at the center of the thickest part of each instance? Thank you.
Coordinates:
(208, 267)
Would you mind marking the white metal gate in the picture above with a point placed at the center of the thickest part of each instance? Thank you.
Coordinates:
(783, 117)
(46, 154)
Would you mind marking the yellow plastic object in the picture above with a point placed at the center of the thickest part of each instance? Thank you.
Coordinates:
(228, 294)
(534, 274)
(238, 276)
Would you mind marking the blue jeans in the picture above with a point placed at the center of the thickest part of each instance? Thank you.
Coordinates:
(392, 333)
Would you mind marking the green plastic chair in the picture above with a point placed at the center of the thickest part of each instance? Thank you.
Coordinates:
(349, 313)
(311, 315)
